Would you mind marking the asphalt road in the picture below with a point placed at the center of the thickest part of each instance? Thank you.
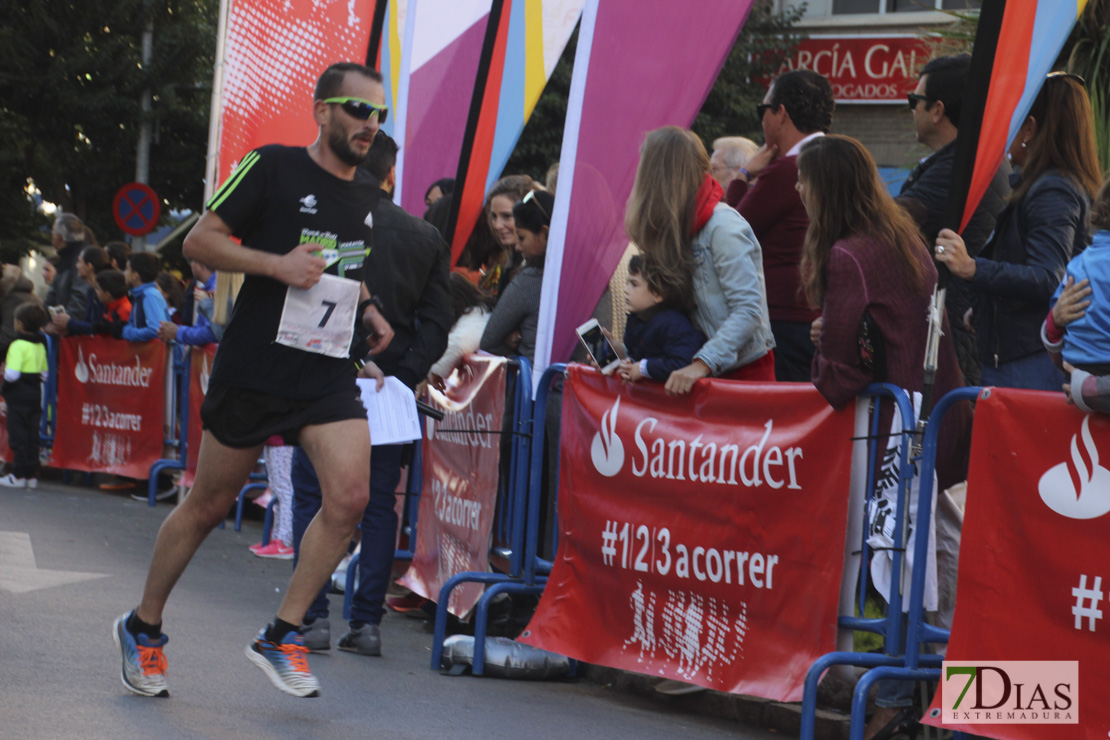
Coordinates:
(72, 559)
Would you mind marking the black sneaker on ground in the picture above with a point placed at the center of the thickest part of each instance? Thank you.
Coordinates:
(365, 639)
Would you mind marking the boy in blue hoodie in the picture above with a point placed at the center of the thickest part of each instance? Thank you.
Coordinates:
(148, 307)
(658, 337)
(1082, 305)
(24, 371)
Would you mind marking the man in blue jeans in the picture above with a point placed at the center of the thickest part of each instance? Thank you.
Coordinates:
(407, 270)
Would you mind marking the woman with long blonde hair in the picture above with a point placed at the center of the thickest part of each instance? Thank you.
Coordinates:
(704, 256)
(1042, 228)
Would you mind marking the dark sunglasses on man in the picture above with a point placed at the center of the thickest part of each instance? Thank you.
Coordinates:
(359, 108)
(914, 98)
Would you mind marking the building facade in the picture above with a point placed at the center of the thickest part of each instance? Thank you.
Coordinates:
(871, 51)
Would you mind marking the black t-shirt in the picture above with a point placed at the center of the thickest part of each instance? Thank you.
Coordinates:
(277, 199)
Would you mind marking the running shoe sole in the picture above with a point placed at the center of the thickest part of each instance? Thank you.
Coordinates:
(116, 628)
(254, 655)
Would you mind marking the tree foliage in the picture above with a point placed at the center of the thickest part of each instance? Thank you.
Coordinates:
(729, 110)
(71, 80)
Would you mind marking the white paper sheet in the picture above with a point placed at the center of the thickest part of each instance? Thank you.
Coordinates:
(390, 412)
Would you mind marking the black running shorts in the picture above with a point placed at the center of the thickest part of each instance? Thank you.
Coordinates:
(242, 418)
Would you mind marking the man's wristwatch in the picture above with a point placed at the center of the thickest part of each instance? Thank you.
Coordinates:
(371, 301)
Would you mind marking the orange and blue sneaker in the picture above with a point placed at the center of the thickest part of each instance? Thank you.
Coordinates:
(144, 665)
(285, 663)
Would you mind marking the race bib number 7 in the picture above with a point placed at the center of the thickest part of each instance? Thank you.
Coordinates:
(322, 318)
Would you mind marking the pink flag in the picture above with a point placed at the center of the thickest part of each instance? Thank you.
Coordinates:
(636, 69)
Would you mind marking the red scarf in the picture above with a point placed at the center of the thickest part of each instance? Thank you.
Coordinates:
(709, 195)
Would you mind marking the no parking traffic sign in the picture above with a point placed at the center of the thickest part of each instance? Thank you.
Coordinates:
(136, 209)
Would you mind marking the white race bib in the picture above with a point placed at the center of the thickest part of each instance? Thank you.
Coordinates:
(322, 318)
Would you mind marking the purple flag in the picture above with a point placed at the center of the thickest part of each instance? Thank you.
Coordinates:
(636, 69)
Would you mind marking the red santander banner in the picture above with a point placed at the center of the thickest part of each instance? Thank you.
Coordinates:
(459, 494)
(862, 69)
(110, 406)
(696, 532)
(1034, 577)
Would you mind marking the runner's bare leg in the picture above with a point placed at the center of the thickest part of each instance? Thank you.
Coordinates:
(221, 473)
(340, 452)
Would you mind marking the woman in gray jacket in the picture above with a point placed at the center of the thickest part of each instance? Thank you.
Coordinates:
(705, 253)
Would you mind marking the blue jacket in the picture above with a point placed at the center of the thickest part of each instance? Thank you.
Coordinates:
(200, 333)
(148, 311)
(664, 337)
(730, 298)
(1022, 264)
(1087, 339)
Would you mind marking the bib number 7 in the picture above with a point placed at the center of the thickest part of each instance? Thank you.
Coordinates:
(321, 319)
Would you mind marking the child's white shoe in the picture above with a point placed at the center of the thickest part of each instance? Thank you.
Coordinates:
(10, 481)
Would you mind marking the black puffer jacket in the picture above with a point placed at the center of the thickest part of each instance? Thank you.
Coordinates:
(1024, 261)
(929, 184)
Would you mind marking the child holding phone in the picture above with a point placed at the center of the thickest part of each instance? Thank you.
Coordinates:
(658, 337)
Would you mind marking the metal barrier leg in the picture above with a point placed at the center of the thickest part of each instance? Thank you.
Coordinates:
(817, 670)
(867, 680)
(155, 470)
(239, 502)
(481, 618)
(441, 607)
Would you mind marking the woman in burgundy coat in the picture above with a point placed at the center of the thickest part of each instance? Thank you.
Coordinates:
(864, 262)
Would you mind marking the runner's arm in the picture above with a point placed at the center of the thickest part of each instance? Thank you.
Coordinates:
(209, 241)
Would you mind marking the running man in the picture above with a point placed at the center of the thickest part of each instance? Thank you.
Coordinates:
(284, 366)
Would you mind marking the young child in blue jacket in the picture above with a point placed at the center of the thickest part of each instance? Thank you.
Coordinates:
(658, 337)
(1076, 331)
(24, 371)
(148, 307)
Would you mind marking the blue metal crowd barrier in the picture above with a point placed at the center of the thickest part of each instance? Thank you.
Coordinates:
(903, 657)
(179, 432)
(512, 508)
(533, 569)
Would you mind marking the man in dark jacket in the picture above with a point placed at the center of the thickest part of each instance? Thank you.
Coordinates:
(408, 271)
(935, 107)
(68, 289)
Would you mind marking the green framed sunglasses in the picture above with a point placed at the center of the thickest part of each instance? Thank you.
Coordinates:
(359, 108)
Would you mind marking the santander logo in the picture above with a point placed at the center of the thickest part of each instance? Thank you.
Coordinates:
(607, 450)
(81, 371)
(1058, 486)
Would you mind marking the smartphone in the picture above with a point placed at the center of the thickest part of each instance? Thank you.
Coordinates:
(599, 347)
(56, 310)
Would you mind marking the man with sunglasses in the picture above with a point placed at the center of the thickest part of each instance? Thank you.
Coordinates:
(798, 107)
(935, 107)
(302, 217)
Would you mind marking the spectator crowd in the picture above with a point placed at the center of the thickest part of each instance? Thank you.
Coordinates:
(787, 261)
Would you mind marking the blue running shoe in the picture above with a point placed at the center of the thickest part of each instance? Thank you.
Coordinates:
(144, 665)
(285, 663)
